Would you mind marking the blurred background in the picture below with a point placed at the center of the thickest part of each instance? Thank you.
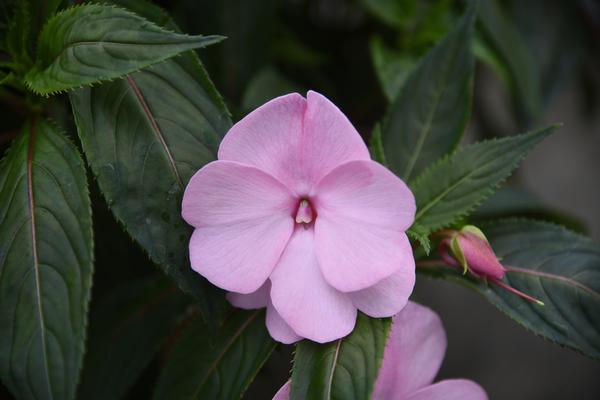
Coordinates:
(538, 62)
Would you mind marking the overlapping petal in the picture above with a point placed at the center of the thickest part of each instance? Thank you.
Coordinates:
(278, 328)
(353, 256)
(306, 302)
(363, 210)
(243, 221)
(296, 140)
(388, 296)
(413, 355)
(368, 192)
(251, 301)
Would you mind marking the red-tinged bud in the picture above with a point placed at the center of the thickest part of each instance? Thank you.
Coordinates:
(471, 250)
(474, 253)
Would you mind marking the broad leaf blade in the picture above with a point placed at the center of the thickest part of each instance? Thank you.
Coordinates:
(45, 264)
(454, 186)
(428, 117)
(344, 369)
(167, 124)
(216, 365)
(94, 43)
(554, 265)
(126, 331)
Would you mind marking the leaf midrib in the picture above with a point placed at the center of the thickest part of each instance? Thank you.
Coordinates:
(36, 264)
(156, 129)
(560, 278)
(333, 367)
(223, 352)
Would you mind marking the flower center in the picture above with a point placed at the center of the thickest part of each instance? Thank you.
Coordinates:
(305, 213)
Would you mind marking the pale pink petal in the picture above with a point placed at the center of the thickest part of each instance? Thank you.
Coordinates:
(269, 138)
(368, 192)
(278, 328)
(452, 389)
(354, 256)
(284, 392)
(413, 354)
(296, 140)
(225, 192)
(329, 139)
(303, 298)
(251, 301)
(243, 220)
(388, 296)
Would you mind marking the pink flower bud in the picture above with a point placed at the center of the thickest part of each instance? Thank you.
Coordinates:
(474, 253)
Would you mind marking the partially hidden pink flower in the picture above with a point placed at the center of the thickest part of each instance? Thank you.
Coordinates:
(295, 216)
(413, 355)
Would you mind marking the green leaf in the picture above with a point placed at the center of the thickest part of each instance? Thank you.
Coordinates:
(45, 264)
(454, 186)
(216, 365)
(504, 38)
(554, 265)
(144, 137)
(93, 43)
(392, 67)
(429, 115)
(127, 329)
(418, 233)
(376, 146)
(344, 369)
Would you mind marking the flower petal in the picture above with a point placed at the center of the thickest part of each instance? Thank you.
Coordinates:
(225, 192)
(243, 220)
(388, 296)
(329, 139)
(303, 298)
(278, 328)
(284, 392)
(413, 355)
(366, 191)
(452, 389)
(354, 255)
(269, 138)
(296, 140)
(251, 301)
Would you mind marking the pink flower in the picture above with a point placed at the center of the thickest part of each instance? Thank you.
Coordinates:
(412, 358)
(295, 217)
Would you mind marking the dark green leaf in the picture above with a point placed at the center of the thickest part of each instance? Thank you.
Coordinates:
(94, 43)
(376, 146)
(455, 185)
(504, 38)
(217, 365)
(126, 331)
(392, 67)
(344, 369)
(429, 115)
(144, 137)
(45, 264)
(554, 265)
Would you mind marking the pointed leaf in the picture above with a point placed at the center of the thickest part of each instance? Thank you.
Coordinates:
(554, 265)
(94, 43)
(344, 369)
(127, 329)
(503, 38)
(216, 365)
(45, 264)
(455, 185)
(428, 117)
(166, 123)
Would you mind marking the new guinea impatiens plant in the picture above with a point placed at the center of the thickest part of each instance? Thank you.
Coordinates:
(275, 228)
